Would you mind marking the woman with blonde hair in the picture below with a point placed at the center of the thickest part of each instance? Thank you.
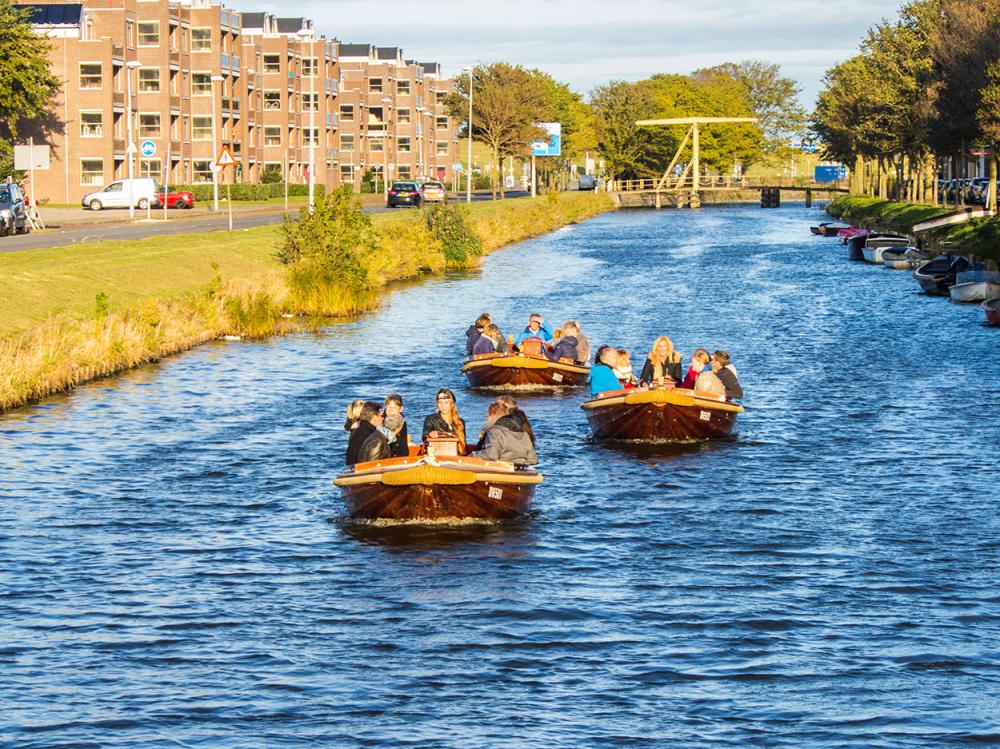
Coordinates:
(662, 364)
(446, 420)
(353, 414)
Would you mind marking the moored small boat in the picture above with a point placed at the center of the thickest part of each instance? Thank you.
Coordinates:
(992, 309)
(875, 245)
(975, 286)
(523, 372)
(437, 488)
(904, 258)
(828, 228)
(676, 415)
(938, 275)
(852, 231)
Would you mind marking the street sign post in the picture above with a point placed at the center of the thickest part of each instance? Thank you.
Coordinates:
(550, 147)
(147, 148)
(224, 159)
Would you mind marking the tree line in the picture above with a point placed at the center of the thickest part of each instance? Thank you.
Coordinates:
(923, 91)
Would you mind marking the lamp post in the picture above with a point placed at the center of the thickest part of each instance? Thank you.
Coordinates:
(130, 149)
(314, 69)
(468, 178)
(215, 148)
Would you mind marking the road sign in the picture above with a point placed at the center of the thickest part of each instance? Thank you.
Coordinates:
(147, 148)
(31, 157)
(225, 157)
(552, 147)
(829, 173)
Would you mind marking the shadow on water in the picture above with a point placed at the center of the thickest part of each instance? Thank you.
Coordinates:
(417, 536)
(663, 451)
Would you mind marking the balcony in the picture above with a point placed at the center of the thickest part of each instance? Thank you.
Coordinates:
(175, 148)
(175, 102)
(118, 145)
(175, 56)
(118, 51)
(118, 98)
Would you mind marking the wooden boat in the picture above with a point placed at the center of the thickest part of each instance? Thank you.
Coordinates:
(855, 245)
(992, 309)
(875, 245)
(904, 258)
(676, 415)
(828, 228)
(516, 371)
(852, 231)
(437, 487)
(975, 286)
(938, 275)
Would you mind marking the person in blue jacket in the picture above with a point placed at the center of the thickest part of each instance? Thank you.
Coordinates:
(537, 328)
(602, 376)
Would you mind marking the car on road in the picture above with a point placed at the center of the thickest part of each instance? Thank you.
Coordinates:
(432, 191)
(404, 193)
(116, 195)
(587, 182)
(13, 213)
(182, 199)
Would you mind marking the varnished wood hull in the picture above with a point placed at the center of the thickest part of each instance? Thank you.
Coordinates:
(523, 373)
(481, 500)
(686, 420)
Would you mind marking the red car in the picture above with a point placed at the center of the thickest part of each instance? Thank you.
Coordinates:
(176, 199)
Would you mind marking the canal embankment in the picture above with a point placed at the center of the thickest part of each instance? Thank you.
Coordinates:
(73, 314)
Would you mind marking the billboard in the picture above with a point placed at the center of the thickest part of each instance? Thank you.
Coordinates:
(829, 173)
(553, 147)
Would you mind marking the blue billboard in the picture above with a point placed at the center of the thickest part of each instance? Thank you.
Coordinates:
(829, 173)
(552, 147)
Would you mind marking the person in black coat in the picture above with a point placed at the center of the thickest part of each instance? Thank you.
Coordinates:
(400, 448)
(371, 418)
(725, 371)
(379, 444)
(663, 362)
(445, 419)
(475, 330)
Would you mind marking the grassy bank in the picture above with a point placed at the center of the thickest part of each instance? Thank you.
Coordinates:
(72, 314)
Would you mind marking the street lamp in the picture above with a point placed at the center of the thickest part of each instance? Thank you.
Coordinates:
(303, 34)
(130, 149)
(215, 148)
(468, 179)
(385, 138)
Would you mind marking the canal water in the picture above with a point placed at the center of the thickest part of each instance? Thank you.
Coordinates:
(177, 571)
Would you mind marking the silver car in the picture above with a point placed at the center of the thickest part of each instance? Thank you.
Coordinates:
(13, 218)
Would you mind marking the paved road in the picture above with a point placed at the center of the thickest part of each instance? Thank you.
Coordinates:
(123, 230)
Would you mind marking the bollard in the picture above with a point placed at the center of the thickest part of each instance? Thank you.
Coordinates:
(809, 197)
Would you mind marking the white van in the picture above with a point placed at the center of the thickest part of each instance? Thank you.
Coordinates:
(116, 195)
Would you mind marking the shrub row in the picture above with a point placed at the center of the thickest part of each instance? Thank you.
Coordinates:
(203, 192)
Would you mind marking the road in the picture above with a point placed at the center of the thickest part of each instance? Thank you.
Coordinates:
(84, 234)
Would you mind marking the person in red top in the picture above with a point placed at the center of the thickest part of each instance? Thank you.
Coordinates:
(699, 361)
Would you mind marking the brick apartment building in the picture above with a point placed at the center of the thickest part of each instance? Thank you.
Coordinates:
(199, 75)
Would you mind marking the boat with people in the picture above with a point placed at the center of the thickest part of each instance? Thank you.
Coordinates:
(661, 415)
(992, 309)
(975, 286)
(937, 276)
(523, 371)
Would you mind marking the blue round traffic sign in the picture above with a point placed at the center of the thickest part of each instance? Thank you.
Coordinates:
(147, 148)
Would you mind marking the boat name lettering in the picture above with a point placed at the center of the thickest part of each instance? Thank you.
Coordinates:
(557, 377)
(706, 416)
(496, 492)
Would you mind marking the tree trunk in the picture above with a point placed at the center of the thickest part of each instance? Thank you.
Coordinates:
(858, 175)
(881, 178)
(493, 182)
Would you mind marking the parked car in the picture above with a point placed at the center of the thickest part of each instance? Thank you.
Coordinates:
(182, 199)
(587, 182)
(432, 191)
(13, 218)
(116, 195)
(404, 193)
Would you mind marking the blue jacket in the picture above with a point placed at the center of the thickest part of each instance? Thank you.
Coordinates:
(565, 348)
(544, 332)
(602, 379)
(484, 346)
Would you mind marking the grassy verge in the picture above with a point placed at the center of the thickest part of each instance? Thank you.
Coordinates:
(72, 314)
(979, 237)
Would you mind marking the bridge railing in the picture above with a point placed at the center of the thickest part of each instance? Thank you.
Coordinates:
(716, 182)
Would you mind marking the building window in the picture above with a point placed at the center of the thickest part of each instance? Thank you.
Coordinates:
(374, 85)
(149, 33)
(201, 40)
(347, 143)
(149, 126)
(92, 172)
(90, 75)
(310, 102)
(272, 63)
(272, 135)
(403, 144)
(346, 173)
(201, 128)
(347, 113)
(309, 67)
(442, 148)
(91, 124)
(201, 171)
(403, 116)
(201, 84)
(130, 34)
(272, 100)
(150, 168)
(404, 171)
(402, 88)
(149, 80)
(376, 145)
(310, 136)
(442, 123)
(441, 97)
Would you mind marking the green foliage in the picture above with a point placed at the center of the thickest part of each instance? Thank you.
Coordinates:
(368, 182)
(102, 305)
(251, 316)
(271, 174)
(245, 191)
(450, 226)
(27, 85)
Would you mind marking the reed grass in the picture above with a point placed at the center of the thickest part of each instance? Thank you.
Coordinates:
(74, 314)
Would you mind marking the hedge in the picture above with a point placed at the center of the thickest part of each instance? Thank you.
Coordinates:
(239, 191)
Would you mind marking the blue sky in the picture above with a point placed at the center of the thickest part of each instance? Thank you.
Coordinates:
(588, 42)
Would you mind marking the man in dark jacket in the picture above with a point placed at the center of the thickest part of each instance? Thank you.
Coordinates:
(725, 371)
(474, 331)
(504, 438)
(370, 419)
(400, 448)
(377, 446)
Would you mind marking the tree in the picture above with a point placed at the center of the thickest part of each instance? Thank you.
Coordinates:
(27, 84)
(507, 101)
(624, 145)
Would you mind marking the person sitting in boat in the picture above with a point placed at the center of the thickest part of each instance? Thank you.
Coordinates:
(726, 372)
(446, 420)
(475, 330)
(379, 444)
(370, 418)
(537, 329)
(504, 438)
(511, 408)
(582, 344)
(353, 414)
(393, 406)
(602, 375)
(663, 364)
(623, 370)
(566, 346)
(708, 382)
(699, 361)
(491, 341)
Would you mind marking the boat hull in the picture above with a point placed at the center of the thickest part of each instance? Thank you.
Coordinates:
(519, 372)
(976, 291)
(933, 285)
(667, 416)
(992, 309)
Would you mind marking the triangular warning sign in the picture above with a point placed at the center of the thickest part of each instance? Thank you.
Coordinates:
(225, 158)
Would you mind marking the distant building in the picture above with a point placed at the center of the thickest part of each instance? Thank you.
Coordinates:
(203, 75)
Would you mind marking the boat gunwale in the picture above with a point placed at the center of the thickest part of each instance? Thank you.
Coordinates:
(523, 361)
(681, 397)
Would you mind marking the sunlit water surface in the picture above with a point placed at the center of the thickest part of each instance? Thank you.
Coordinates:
(177, 571)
